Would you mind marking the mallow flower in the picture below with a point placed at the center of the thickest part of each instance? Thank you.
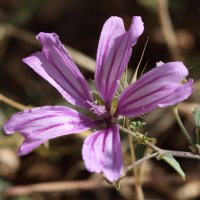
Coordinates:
(102, 150)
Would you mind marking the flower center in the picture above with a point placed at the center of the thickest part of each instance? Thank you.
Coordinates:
(97, 109)
(101, 114)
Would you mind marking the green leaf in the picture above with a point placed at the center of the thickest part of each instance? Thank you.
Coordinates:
(136, 125)
(196, 114)
(170, 160)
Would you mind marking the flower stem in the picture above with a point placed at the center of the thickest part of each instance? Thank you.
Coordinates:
(141, 160)
(135, 135)
(182, 154)
(173, 153)
(138, 187)
(175, 111)
(157, 149)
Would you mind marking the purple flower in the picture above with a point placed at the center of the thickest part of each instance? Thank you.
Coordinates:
(101, 150)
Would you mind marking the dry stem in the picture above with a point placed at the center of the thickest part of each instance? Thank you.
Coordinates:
(138, 187)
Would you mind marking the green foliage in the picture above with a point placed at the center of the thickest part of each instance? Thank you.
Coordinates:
(146, 138)
(136, 125)
(170, 160)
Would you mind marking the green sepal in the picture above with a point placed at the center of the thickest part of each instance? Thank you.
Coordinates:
(117, 183)
(97, 98)
(196, 114)
(88, 114)
(114, 104)
(171, 161)
(183, 81)
(109, 182)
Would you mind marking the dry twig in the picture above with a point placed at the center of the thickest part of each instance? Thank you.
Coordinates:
(168, 30)
(79, 58)
(92, 184)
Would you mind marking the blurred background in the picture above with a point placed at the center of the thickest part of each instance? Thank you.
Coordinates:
(174, 35)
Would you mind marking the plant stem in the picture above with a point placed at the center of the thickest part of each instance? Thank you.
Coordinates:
(173, 153)
(152, 146)
(182, 154)
(175, 111)
(135, 135)
(168, 30)
(157, 149)
(144, 165)
(141, 160)
(138, 187)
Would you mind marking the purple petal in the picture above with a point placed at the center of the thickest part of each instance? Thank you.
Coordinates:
(40, 124)
(158, 87)
(102, 153)
(114, 51)
(56, 66)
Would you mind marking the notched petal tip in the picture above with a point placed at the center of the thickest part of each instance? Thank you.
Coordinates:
(137, 25)
(51, 38)
(114, 51)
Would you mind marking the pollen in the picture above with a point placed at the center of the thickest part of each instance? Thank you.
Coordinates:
(97, 109)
